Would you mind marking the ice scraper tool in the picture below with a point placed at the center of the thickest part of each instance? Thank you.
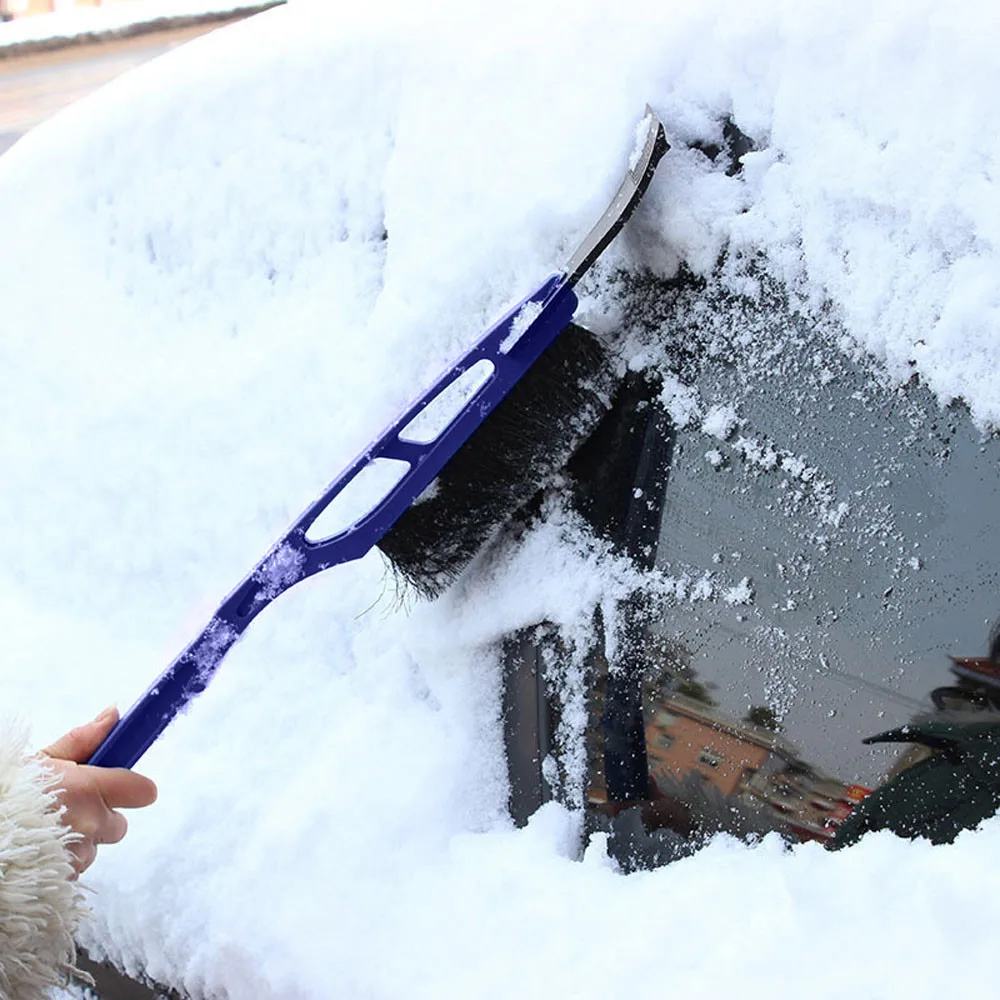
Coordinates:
(445, 509)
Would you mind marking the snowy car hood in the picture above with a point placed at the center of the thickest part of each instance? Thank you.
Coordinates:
(223, 273)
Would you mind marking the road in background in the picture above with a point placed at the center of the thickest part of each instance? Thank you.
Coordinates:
(36, 85)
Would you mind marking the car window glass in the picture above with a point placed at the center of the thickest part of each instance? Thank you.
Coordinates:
(836, 565)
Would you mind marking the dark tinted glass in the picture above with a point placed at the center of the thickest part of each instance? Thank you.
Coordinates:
(837, 568)
(813, 653)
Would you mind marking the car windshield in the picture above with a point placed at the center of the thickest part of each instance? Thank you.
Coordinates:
(822, 566)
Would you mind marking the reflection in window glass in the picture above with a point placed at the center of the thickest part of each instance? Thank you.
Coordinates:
(812, 652)
(835, 569)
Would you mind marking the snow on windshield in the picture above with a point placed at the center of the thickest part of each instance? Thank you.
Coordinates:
(223, 274)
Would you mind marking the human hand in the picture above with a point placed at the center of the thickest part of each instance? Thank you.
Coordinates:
(90, 796)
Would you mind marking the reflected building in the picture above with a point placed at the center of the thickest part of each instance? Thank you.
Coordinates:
(687, 737)
(978, 682)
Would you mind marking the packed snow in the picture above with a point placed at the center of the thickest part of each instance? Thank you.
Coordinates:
(227, 271)
(720, 421)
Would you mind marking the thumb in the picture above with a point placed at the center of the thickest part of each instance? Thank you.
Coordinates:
(79, 744)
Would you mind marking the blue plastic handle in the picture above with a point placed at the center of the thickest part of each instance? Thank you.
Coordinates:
(512, 345)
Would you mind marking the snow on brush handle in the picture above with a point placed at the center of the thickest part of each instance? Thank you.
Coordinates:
(510, 346)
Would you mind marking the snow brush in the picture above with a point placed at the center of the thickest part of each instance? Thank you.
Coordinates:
(433, 488)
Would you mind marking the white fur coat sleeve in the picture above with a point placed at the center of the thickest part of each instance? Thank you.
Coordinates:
(40, 904)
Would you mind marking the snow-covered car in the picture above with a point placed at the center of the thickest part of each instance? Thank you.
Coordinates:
(222, 275)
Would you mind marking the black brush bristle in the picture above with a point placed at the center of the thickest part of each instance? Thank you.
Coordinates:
(526, 440)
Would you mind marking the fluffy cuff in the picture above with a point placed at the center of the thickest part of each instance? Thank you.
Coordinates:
(40, 904)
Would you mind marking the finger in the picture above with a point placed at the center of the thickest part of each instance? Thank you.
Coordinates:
(122, 789)
(84, 853)
(79, 744)
(114, 828)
